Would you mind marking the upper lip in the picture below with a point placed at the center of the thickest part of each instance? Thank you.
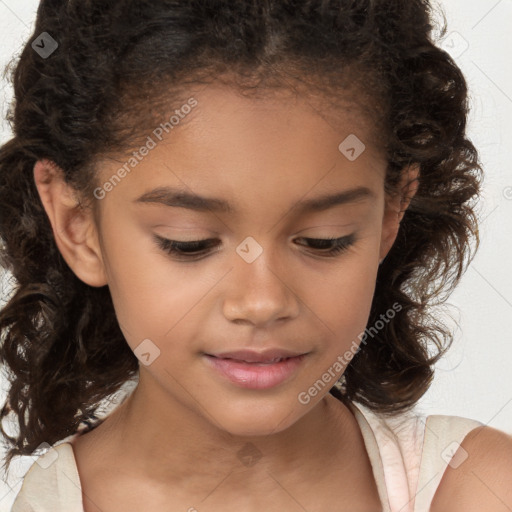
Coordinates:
(251, 356)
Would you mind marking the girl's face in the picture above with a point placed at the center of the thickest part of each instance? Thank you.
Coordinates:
(244, 175)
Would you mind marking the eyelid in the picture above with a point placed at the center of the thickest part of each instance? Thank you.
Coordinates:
(343, 226)
(178, 229)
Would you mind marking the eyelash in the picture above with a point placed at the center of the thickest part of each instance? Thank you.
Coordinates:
(179, 249)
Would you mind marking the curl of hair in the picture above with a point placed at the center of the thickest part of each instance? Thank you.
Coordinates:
(60, 340)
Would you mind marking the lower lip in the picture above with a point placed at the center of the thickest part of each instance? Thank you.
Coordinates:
(256, 375)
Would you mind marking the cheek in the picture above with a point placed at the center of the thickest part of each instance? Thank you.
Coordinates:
(152, 302)
(348, 307)
(149, 292)
(341, 302)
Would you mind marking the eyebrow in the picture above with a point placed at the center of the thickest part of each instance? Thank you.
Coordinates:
(183, 199)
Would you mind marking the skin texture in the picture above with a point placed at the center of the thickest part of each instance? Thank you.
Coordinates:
(484, 480)
(178, 435)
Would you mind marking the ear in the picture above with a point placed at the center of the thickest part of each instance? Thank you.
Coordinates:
(396, 207)
(73, 225)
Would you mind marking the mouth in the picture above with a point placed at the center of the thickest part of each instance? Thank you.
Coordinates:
(254, 370)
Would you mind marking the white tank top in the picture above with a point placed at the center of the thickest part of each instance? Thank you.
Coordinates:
(408, 453)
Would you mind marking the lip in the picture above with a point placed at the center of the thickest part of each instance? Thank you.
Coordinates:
(251, 356)
(256, 370)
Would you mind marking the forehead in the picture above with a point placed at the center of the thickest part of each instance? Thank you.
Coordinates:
(232, 145)
(284, 117)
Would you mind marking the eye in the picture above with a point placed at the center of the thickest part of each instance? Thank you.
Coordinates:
(327, 247)
(334, 246)
(184, 249)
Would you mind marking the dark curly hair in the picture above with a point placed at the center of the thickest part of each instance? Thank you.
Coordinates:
(84, 102)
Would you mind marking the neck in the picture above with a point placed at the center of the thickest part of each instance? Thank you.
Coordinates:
(172, 444)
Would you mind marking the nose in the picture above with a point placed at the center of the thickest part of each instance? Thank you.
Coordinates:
(260, 292)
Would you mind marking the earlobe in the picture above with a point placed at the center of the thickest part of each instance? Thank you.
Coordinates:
(73, 225)
(397, 206)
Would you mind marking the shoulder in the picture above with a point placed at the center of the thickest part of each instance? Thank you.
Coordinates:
(50, 483)
(483, 480)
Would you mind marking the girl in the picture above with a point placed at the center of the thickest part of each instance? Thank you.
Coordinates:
(248, 209)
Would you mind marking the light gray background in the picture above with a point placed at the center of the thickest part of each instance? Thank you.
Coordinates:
(475, 379)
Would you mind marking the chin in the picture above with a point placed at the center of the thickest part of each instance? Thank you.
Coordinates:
(257, 421)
